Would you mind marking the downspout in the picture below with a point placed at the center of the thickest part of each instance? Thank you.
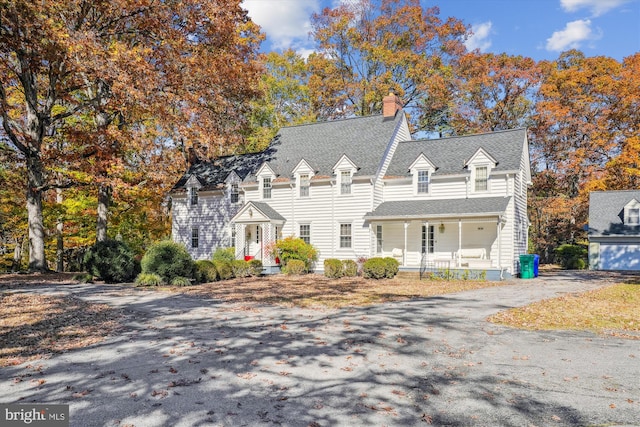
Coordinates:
(459, 242)
(500, 247)
(333, 226)
(293, 209)
(404, 253)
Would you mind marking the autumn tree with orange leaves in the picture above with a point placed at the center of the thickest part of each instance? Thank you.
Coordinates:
(367, 48)
(98, 91)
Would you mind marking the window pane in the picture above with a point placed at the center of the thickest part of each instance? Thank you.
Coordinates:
(305, 233)
(193, 196)
(234, 193)
(481, 178)
(423, 181)
(345, 182)
(266, 188)
(634, 216)
(304, 185)
(194, 237)
(345, 235)
(378, 238)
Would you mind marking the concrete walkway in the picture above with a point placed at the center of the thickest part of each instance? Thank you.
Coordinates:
(184, 361)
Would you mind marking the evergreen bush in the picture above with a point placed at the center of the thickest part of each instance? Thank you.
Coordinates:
(295, 266)
(332, 268)
(349, 268)
(205, 271)
(255, 267)
(240, 268)
(375, 268)
(224, 254)
(168, 260)
(180, 281)
(224, 269)
(111, 261)
(393, 266)
(148, 279)
(572, 257)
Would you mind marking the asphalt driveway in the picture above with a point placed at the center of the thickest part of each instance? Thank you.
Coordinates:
(185, 361)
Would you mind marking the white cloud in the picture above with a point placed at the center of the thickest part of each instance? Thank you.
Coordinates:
(596, 7)
(575, 33)
(286, 22)
(480, 37)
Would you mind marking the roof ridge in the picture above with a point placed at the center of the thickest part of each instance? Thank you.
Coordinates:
(330, 121)
(468, 135)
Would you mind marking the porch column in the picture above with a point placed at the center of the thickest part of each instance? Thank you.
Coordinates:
(425, 224)
(459, 242)
(404, 252)
(240, 240)
(499, 234)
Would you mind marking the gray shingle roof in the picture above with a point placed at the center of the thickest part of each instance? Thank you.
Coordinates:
(606, 213)
(362, 139)
(268, 211)
(450, 154)
(440, 208)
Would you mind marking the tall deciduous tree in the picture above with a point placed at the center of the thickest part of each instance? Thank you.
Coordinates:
(182, 68)
(368, 48)
(484, 92)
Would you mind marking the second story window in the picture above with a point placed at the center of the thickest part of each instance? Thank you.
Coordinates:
(235, 195)
(345, 182)
(193, 196)
(266, 188)
(633, 216)
(481, 178)
(304, 185)
(423, 182)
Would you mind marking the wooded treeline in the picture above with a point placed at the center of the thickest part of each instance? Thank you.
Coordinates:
(101, 102)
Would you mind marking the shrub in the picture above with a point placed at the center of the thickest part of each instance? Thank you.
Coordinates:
(292, 248)
(224, 254)
(111, 261)
(255, 267)
(375, 268)
(295, 266)
(333, 268)
(148, 279)
(240, 268)
(572, 256)
(392, 267)
(205, 271)
(349, 268)
(83, 277)
(180, 281)
(168, 260)
(224, 269)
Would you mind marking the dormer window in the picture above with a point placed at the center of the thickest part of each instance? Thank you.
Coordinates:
(305, 183)
(423, 182)
(345, 182)
(234, 194)
(481, 180)
(633, 216)
(266, 188)
(193, 196)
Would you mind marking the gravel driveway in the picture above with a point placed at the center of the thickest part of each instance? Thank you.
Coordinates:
(184, 361)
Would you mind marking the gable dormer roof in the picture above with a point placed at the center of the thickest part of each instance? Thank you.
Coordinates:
(606, 213)
(451, 155)
(422, 159)
(480, 153)
(344, 162)
(303, 167)
(265, 169)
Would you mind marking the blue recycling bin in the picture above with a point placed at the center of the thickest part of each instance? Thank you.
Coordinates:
(536, 262)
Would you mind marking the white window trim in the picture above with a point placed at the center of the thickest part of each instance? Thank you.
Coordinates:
(627, 215)
(416, 179)
(299, 185)
(262, 187)
(340, 247)
(192, 194)
(340, 173)
(304, 224)
(474, 178)
(231, 186)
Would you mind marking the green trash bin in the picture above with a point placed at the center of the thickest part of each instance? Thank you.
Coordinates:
(527, 266)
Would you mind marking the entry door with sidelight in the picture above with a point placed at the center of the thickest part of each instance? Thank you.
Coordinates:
(253, 242)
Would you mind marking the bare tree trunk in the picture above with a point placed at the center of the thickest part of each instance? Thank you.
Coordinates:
(35, 183)
(59, 236)
(104, 197)
(17, 255)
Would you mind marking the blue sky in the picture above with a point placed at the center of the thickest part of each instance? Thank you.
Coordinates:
(540, 29)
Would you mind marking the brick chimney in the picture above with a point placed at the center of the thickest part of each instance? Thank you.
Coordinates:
(391, 104)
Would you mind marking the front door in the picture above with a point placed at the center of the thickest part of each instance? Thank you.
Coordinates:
(253, 242)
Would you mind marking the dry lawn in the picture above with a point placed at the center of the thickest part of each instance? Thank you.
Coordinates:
(36, 326)
(315, 291)
(613, 310)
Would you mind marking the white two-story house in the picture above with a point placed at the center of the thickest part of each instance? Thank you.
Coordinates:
(361, 187)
